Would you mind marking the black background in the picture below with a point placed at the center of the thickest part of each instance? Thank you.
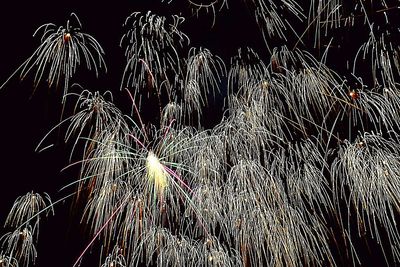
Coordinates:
(26, 116)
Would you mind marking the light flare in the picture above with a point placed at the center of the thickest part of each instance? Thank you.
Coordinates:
(156, 172)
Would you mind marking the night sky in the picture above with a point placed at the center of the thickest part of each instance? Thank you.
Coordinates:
(27, 115)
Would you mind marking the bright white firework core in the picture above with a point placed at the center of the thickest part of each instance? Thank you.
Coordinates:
(156, 172)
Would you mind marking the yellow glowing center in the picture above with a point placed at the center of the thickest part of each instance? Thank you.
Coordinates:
(156, 172)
